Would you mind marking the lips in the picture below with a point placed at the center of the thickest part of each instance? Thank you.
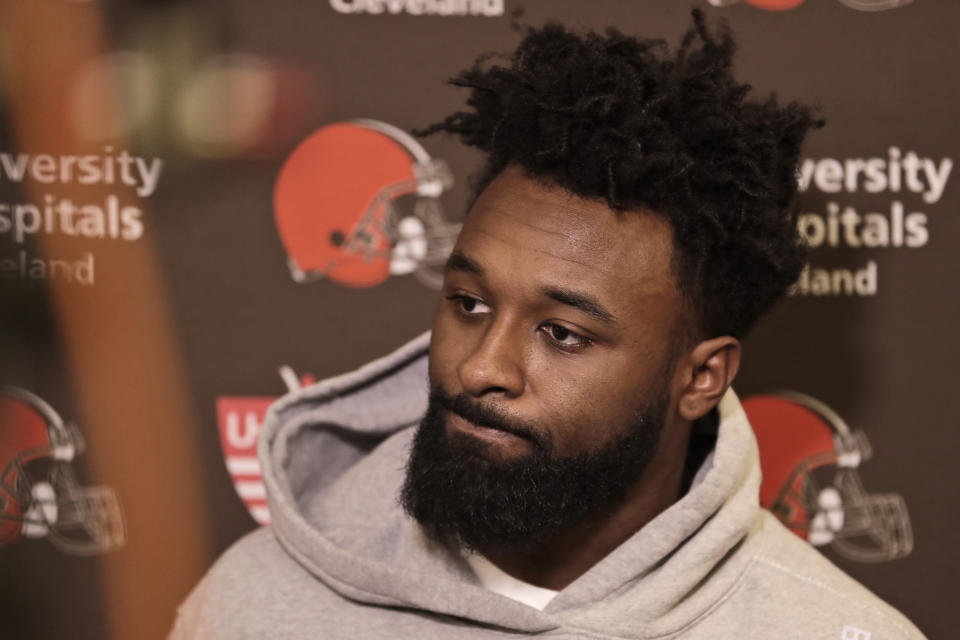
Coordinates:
(490, 434)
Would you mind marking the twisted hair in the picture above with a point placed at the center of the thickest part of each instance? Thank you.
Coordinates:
(613, 117)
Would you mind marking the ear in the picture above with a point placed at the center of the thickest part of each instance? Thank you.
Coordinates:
(710, 368)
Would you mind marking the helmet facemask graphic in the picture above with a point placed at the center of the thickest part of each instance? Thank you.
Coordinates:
(40, 495)
(810, 460)
(423, 239)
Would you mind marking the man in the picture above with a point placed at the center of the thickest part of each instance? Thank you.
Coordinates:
(580, 468)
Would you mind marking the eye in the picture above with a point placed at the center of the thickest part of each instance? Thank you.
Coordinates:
(565, 338)
(468, 305)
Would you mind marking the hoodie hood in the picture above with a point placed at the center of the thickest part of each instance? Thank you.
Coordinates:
(333, 458)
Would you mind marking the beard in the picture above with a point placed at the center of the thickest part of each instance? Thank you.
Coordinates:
(463, 499)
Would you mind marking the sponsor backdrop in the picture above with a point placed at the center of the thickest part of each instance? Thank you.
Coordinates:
(205, 204)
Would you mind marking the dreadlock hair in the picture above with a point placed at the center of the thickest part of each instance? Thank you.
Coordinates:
(621, 119)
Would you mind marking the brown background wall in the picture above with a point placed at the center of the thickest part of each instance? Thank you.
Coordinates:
(201, 305)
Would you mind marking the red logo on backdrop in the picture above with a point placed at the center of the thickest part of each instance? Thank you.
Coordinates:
(357, 201)
(809, 458)
(239, 419)
(40, 495)
(783, 5)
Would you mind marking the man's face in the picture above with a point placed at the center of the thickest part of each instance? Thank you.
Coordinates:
(557, 312)
(552, 343)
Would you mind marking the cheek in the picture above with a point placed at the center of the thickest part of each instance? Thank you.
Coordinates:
(449, 345)
(586, 403)
(579, 379)
(439, 355)
(581, 407)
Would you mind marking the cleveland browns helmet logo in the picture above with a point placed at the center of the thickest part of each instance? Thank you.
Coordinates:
(40, 496)
(809, 458)
(357, 201)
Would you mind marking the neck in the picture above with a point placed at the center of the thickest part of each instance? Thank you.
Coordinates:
(560, 559)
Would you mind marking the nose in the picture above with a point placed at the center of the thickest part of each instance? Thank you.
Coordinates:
(495, 365)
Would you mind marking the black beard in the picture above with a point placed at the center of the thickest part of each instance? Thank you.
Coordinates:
(465, 500)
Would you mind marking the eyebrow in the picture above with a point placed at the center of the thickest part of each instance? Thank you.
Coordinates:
(458, 261)
(582, 301)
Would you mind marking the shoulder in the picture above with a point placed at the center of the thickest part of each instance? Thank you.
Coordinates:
(793, 583)
(255, 572)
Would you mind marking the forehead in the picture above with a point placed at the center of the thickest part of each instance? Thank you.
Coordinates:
(535, 230)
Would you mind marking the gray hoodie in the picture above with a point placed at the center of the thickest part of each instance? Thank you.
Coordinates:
(342, 560)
